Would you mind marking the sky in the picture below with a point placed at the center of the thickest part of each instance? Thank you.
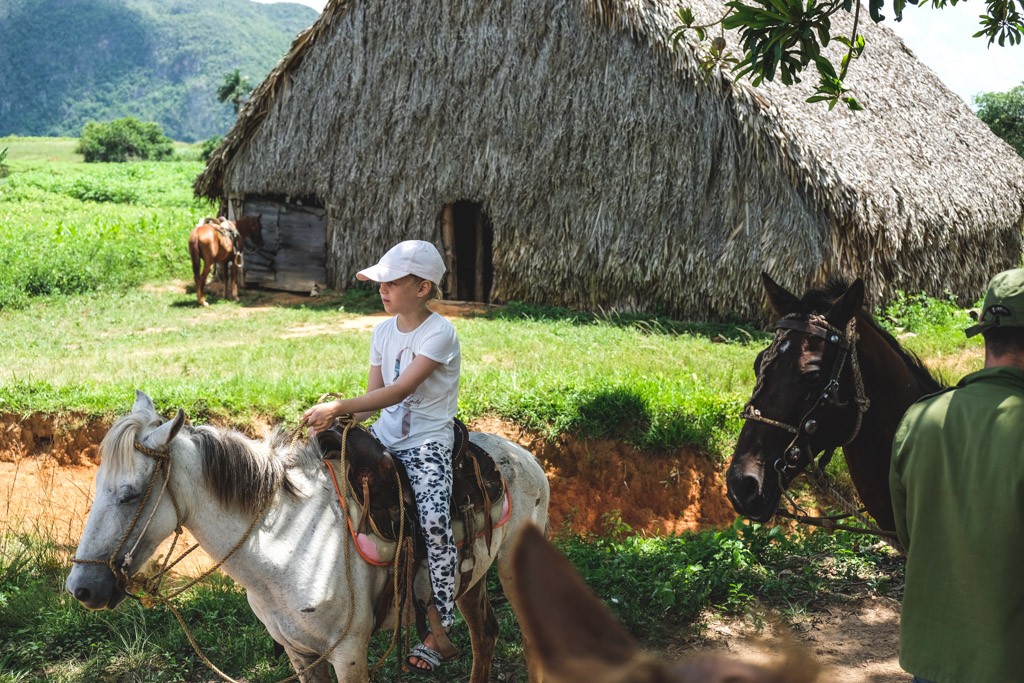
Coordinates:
(942, 40)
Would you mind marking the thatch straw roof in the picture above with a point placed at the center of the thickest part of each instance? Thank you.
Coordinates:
(614, 175)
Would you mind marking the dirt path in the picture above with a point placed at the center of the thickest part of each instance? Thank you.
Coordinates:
(854, 643)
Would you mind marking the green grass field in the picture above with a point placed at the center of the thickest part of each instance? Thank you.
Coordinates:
(79, 241)
(92, 306)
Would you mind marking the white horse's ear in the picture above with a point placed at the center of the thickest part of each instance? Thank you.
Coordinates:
(143, 403)
(168, 430)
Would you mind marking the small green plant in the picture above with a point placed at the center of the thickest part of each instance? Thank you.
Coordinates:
(4, 168)
(918, 313)
(657, 585)
(124, 139)
(209, 146)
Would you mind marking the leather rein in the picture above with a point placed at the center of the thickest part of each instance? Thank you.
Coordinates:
(798, 453)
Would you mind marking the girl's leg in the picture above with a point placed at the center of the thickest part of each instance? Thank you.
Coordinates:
(430, 473)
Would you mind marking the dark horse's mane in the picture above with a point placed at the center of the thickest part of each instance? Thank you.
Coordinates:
(820, 300)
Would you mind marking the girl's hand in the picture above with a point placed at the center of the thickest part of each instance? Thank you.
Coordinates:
(320, 416)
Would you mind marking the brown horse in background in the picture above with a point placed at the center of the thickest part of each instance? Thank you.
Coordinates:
(831, 378)
(578, 639)
(218, 240)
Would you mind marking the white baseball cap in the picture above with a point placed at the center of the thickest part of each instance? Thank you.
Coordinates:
(412, 257)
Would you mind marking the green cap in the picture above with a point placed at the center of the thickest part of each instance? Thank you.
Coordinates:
(1004, 303)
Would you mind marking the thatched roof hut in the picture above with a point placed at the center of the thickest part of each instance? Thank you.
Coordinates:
(604, 171)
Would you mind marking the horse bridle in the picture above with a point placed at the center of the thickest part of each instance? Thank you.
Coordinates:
(122, 572)
(799, 447)
(152, 585)
(149, 588)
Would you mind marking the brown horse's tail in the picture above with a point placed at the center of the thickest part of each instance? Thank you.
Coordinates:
(193, 251)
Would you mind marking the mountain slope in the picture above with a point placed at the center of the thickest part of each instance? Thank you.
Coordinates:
(65, 62)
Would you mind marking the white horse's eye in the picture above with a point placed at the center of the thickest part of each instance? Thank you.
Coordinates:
(129, 497)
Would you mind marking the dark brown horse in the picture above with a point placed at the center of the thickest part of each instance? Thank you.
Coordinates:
(831, 378)
(577, 639)
(218, 240)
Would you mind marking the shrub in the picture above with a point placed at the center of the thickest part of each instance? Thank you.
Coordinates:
(4, 168)
(209, 146)
(123, 140)
(920, 313)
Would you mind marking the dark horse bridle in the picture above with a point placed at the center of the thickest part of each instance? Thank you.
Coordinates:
(798, 453)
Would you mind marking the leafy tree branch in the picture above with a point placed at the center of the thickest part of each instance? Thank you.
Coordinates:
(784, 37)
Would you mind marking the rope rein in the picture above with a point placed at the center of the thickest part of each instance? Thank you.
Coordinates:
(402, 553)
(149, 588)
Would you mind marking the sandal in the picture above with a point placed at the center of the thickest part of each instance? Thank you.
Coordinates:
(425, 654)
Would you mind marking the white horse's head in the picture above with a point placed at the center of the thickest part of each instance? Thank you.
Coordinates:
(131, 513)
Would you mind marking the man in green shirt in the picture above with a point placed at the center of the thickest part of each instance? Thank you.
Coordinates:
(957, 482)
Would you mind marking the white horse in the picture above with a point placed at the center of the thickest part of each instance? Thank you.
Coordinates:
(154, 476)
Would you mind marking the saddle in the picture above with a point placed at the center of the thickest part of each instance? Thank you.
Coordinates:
(228, 229)
(478, 492)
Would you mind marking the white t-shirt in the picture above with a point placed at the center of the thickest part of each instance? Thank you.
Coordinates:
(426, 414)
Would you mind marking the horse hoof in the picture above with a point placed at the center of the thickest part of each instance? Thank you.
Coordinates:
(203, 303)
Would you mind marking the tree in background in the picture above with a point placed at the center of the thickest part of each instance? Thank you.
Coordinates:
(235, 89)
(124, 139)
(210, 145)
(783, 37)
(1004, 114)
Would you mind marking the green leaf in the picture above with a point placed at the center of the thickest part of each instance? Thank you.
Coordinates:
(825, 67)
(876, 10)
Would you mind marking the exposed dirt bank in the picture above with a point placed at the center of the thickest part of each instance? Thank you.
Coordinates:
(48, 462)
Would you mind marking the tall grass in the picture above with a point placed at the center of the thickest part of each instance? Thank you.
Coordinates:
(69, 228)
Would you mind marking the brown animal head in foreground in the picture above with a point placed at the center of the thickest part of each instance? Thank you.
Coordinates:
(577, 639)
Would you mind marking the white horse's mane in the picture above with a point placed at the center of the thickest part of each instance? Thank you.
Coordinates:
(117, 450)
(241, 473)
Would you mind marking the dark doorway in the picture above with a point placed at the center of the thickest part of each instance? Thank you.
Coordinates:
(468, 240)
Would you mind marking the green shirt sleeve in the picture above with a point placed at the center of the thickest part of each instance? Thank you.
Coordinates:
(898, 491)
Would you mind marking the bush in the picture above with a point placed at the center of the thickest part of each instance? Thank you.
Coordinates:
(919, 313)
(209, 146)
(4, 168)
(123, 140)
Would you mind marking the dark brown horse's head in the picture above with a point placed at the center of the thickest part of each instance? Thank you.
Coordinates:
(251, 228)
(808, 397)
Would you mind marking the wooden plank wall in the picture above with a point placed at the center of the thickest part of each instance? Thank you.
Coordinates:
(293, 257)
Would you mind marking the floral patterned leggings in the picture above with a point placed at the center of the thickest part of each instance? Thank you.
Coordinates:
(430, 473)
